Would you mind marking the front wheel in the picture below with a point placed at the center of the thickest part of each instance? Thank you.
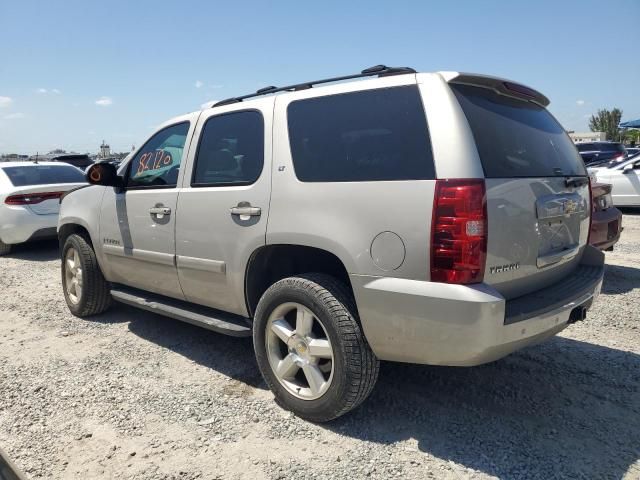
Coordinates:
(85, 289)
(311, 349)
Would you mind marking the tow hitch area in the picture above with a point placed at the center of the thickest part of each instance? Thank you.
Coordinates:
(580, 312)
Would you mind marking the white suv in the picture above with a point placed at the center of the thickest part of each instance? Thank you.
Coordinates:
(435, 218)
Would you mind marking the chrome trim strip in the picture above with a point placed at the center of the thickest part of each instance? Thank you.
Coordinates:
(556, 257)
(194, 263)
(137, 254)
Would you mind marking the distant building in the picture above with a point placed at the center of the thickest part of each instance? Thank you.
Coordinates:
(581, 137)
(105, 150)
(14, 157)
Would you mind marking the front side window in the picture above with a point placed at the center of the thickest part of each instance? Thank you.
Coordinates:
(371, 135)
(157, 163)
(231, 150)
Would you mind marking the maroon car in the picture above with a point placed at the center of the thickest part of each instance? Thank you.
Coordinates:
(606, 220)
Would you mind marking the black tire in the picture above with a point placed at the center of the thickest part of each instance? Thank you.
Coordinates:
(96, 291)
(4, 248)
(355, 365)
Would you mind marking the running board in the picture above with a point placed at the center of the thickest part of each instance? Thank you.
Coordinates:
(209, 318)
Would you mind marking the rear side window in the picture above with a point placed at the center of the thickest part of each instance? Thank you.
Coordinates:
(517, 138)
(231, 150)
(586, 147)
(371, 135)
(43, 174)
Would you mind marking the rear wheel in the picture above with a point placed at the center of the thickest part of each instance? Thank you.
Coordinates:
(311, 349)
(4, 248)
(85, 289)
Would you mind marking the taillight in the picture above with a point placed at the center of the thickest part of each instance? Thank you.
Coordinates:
(31, 198)
(459, 231)
(591, 207)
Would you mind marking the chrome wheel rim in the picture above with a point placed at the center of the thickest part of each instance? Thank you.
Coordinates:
(300, 357)
(73, 275)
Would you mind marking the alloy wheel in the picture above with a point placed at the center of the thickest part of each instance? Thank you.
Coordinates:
(299, 351)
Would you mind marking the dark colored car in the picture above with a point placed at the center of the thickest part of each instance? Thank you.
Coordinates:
(80, 161)
(606, 220)
(599, 153)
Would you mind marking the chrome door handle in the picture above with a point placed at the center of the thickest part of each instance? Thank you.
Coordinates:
(246, 211)
(160, 211)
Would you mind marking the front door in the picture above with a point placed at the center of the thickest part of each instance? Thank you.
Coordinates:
(137, 225)
(224, 204)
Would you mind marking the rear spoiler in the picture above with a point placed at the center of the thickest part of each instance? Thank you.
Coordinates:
(499, 85)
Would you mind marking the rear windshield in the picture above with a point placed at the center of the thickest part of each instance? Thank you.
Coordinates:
(42, 174)
(609, 147)
(517, 138)
(371, 135)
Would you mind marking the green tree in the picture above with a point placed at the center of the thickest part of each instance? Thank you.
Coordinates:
(606, 121)
(632, 136)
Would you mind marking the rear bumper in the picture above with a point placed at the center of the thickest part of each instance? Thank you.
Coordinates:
(441, 324)
(19, 225)
(606, 226)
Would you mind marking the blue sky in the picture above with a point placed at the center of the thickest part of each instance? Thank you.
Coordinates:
(75, 72)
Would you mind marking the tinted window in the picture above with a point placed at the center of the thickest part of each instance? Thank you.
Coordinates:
(231, 150)
(43, 174)
(586, 147)
(362, 136)
(610, 147)
(517, 138)
(158, 162)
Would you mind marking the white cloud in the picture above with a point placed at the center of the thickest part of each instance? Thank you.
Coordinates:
(42, 90)
(198, 84)
(104, 101)
(5, 101)
(13, 116)
(579, 102)
(56, 91)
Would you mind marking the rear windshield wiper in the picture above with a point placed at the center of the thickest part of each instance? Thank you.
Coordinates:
(576, 182)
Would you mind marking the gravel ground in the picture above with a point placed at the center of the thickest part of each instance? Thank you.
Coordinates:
(132, 395)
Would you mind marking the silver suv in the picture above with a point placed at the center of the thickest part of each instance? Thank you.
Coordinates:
(433, 218)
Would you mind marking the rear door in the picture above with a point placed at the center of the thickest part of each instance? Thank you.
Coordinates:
(537, 191)
(224, 203)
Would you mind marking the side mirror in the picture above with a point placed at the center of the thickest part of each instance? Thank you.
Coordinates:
(105, 174)
(628, 169)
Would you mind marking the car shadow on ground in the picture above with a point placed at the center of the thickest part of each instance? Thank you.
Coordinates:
(629, 211)
(36, 251)
(563, 408)
(230, 356)
(620, 279)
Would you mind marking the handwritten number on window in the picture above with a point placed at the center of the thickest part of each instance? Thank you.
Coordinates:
(154, 161)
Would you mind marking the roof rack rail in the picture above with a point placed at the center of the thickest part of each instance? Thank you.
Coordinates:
(377, 70)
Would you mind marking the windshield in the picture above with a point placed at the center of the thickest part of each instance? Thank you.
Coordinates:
(517, 138)
(26, 175)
